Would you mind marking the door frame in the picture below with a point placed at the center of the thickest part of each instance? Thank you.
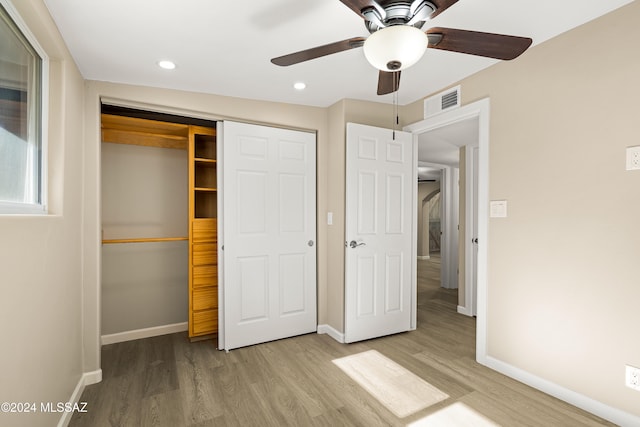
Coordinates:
(471, 230)
(479, 109)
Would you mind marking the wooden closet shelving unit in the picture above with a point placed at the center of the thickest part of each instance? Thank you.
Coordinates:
(203, 233)
(200, 142)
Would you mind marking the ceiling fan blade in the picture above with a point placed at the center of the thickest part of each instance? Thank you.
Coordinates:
(388, 82)
(498, 46)
(358, 5)
(317, 52)
(441, 6)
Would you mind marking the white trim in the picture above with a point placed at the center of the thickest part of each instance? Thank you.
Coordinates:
(144, 333)
(22, 209)
(576, 399)
(413, 322)
(479, 109)
(333, 333)
(424, 257)
(86, 379)
(465, 310)
(482, 109)
(471, 206)
(93, 377)
(42, 207)
(220, 231)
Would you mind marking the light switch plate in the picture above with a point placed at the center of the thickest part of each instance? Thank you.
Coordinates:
(329, 218)
(498, 209)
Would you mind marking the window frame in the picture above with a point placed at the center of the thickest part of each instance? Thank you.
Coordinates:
(14, 208)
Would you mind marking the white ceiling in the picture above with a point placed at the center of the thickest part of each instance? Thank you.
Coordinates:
(442, 145)
(224, 47)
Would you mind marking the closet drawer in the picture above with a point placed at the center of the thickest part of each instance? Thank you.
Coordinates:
(205, 298)
(205, 322)
(205, 253)
(205, 230)
(205, 275)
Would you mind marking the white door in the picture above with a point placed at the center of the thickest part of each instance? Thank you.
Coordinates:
(269, 284)
(381, 182)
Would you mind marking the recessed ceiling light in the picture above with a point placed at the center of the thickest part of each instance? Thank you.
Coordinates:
(167, 65)
(299, 85)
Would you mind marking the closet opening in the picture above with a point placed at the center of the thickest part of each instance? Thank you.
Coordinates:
(159, 225)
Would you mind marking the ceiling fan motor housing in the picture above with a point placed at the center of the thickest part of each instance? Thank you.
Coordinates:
(399, 12)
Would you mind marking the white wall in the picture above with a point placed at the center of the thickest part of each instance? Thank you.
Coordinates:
(41, 257)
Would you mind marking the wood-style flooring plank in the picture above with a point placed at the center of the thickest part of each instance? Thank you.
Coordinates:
(162, 410)
(169, 381)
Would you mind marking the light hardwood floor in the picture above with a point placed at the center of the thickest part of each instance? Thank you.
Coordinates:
(168, 381)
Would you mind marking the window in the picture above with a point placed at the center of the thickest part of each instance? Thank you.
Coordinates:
(21, 117)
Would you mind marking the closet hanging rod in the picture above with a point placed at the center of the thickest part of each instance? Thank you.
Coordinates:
(144, 240)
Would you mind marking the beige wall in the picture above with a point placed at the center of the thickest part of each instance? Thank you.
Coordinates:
(144, 194)
(336, 205)
(563, 285)
(40, 256)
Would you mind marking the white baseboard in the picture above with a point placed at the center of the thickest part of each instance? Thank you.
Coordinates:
(464, 310)
(423, 257)
(92, 377)
(86, 379)
(144, 333)
(595, 407)
(326, 329)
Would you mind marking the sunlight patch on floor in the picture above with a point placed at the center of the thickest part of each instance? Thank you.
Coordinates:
(399, 390)
(455, 415)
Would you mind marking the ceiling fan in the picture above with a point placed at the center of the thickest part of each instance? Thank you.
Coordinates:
(397, 41)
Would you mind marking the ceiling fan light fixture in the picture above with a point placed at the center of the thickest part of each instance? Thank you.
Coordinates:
(395, 48)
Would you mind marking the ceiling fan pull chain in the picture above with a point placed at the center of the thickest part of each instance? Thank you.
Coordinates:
(395, 106)
(394, 113)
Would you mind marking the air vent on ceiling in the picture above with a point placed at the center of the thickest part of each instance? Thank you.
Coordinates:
(443, 101)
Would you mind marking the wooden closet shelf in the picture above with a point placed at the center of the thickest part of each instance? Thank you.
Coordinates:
(145, 240)
(204, 160)
(211, 190)
(150, 133)
(144, 138)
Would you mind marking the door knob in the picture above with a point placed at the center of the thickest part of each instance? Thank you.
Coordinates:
(310, 243)
(353, 244)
